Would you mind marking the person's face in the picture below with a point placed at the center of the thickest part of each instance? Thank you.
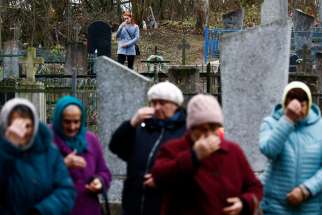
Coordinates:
(163, 109)
(72, 119)
(205, 130)
(127, 19)
(28, 126)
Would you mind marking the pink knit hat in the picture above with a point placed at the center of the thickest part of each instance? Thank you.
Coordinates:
(204, 109)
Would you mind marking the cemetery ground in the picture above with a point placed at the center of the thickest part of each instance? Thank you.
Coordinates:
(166, 39)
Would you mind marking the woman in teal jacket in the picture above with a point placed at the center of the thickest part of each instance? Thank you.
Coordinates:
(33, 177)
(292, 141)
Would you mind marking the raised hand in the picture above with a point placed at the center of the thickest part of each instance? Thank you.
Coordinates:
(141, 115)
(206, 146)
(294, 111)
(16, 133)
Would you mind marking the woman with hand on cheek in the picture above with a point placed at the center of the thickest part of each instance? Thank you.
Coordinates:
(291, 139)
(127, 36)
(33, 177)
(83, 154)
(201, 173)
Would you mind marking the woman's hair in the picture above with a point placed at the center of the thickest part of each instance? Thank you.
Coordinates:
(23, 111)
(297, 93)
(129, 14)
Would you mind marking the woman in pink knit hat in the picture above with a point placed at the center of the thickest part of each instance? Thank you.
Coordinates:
(202, 173)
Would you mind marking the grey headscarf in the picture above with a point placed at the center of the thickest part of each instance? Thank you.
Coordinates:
(6, 111)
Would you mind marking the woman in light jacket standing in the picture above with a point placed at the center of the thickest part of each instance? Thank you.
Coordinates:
(291, 138)
(127, 36)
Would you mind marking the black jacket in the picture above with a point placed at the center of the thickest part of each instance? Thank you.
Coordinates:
(138, 148)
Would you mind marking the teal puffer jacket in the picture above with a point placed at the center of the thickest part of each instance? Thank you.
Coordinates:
(35, 178)
(295, 158)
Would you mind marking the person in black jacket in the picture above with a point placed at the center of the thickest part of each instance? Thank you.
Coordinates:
(138, 140)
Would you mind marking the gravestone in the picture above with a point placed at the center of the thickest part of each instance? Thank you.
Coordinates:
(29, 88)
(183, 46)
(187, 78)
(99, 38)
(76, 58)
(306, 73)
(11, 61)
(29, 63)
(121, 93)
(254, 72)
(234, 19)
(273, 10)
(303, 24)
(306, 65)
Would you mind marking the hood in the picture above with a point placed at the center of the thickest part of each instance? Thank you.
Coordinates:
(78, 142)
(297, 85)
(6, 111)
(313, 116)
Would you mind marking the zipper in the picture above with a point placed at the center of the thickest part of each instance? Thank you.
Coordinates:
(297, 157)
(148, 163)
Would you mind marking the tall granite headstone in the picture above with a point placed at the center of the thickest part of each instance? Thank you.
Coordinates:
(234, 19)
(11, 63)
(254, 72)
(273, 10)
(121, 92)
(302, 23)
(100, 38)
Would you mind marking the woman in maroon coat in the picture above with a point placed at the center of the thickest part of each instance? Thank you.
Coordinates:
(202, 173)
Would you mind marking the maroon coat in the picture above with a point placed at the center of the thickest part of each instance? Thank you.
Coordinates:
(195, 187)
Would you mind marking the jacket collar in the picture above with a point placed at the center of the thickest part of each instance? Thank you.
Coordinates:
(178, 120)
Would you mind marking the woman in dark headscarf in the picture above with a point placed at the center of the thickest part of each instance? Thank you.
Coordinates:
(83, 154)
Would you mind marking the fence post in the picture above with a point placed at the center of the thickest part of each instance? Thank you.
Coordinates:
(208, 77)
(206, 44)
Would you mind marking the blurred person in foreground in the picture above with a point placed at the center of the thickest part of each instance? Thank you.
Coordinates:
(34, 179)
(202, 173)
(83, 155)
(137, 141)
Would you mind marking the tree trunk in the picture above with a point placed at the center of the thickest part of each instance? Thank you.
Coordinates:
(201, 8)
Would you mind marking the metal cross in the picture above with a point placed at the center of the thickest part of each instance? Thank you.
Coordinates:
(16, 31)
(184, 45)
(77, 28)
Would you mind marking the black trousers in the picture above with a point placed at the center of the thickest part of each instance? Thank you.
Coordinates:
(130, 60)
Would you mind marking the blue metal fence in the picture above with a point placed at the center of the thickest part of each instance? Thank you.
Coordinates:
(212, 43)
